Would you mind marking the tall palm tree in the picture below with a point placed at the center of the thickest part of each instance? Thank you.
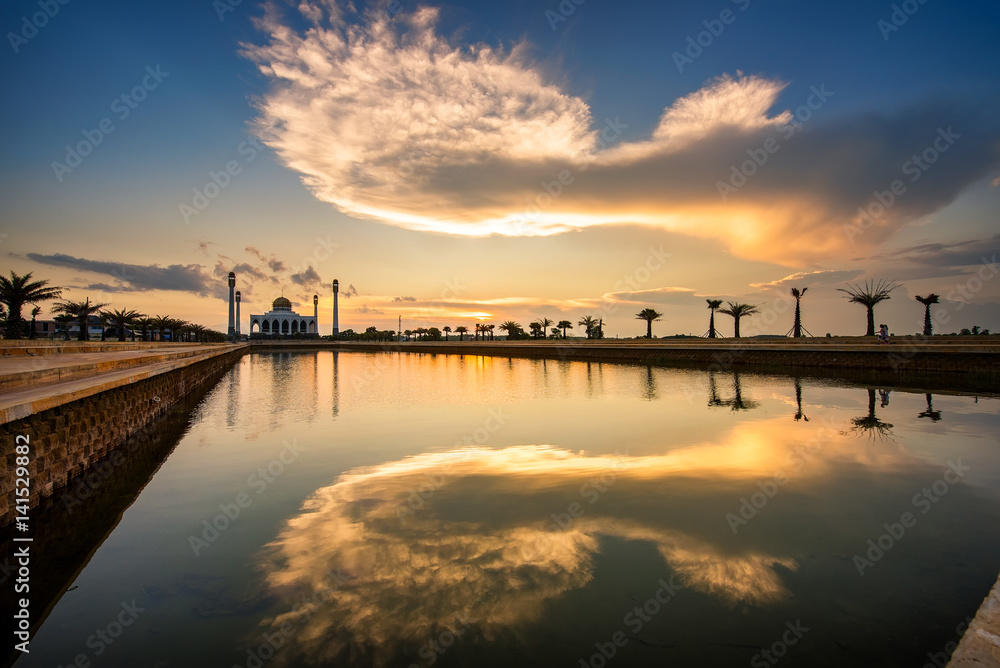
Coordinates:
(81, 312)
(869, 295)
(447, 330)
(512, 328)
(17, 291)
(737, 311)
(144, 323)
(34, 314)
(649, 315)
(927, 301)
(489, 328)
(160, 323)
(199, 332)
(713, 304)
(564, 325)
(461, 330)
(588, 322)
(102, 317)
(536, 329)
(797, 327)
(122, 319)
(545, 323)
(64, 319)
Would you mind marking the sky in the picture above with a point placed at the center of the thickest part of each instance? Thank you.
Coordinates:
(461, 162)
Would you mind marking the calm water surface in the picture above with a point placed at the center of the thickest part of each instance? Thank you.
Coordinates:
(357, 509)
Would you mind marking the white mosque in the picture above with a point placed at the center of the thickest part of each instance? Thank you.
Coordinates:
(281, 320)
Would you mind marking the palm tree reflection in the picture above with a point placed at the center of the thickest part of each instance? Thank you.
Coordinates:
(799, 415)
(737, 402)
(871, 425)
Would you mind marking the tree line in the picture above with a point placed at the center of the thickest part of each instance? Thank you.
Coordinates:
(18, 291)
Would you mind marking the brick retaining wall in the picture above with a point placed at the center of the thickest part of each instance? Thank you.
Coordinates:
(67, 439)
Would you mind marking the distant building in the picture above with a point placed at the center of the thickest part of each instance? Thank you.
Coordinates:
(281, 320)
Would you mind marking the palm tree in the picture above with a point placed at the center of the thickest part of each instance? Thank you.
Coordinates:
(737, 311)
(122, 319)
(160, 323)
(649, 315)
(81, 312)
(64, 319)
(545, 323)
(103, 318)
(797, 327)
(461, 329)
(446, 329)
(868, 296)
(17, 291)
(199, 332)
(34, 314)
(588, 322)
(536, 329)
(713, 304)
(490, 327)
(927, 301)
(564, 325)
(145, 322)
(512, 328)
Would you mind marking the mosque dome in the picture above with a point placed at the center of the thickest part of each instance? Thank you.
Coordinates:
(281, 304)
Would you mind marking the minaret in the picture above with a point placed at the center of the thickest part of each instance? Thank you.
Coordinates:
(237, 314)
(336, 318)
(232, 312)
(316, 312)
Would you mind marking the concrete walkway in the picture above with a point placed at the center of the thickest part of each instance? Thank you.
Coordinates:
(36, 379)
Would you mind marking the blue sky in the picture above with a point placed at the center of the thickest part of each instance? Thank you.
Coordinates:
(427, 195)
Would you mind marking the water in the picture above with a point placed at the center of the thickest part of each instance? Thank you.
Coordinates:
(400, 510)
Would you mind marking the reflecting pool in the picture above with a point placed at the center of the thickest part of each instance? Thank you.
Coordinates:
(383, 509)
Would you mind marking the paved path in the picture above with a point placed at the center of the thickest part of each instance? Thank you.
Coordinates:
(30, 383)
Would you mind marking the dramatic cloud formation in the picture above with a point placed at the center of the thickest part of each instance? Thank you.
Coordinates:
(272, 262)
(810, 278)
(308, 278)
(386, 119)
(188, 278)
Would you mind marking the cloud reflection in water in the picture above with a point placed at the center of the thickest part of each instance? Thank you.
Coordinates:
(469, 534)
